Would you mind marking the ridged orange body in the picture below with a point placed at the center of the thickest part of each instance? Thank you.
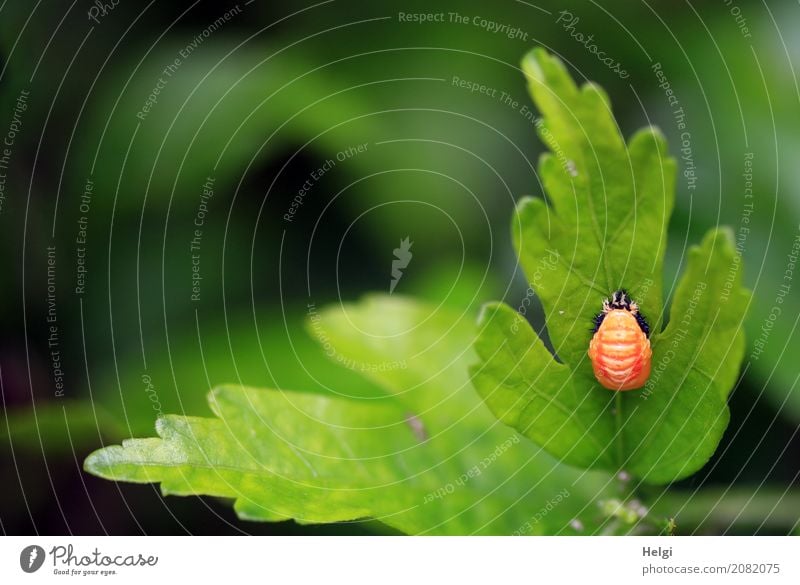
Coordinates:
(620, 352)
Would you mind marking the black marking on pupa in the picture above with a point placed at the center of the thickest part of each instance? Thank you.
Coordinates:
(622, 301)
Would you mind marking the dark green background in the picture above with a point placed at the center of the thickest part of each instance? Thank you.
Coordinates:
(259, 105)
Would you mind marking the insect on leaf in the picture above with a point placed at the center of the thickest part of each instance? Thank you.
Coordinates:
(604, 228)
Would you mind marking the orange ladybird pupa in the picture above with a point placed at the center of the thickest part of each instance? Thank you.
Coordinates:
(620, 348)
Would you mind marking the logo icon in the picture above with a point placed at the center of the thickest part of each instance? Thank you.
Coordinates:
(402, 256)
(31, 558)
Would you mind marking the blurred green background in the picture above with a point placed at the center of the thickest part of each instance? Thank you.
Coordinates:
(122, 116)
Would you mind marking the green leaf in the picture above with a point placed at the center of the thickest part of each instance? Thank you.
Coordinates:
(605, 229)
(674, 425)
(530, 391)
(606, 225)
(427, 457)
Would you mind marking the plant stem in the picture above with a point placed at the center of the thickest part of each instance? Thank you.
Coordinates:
(764, 509)
(618, 417)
